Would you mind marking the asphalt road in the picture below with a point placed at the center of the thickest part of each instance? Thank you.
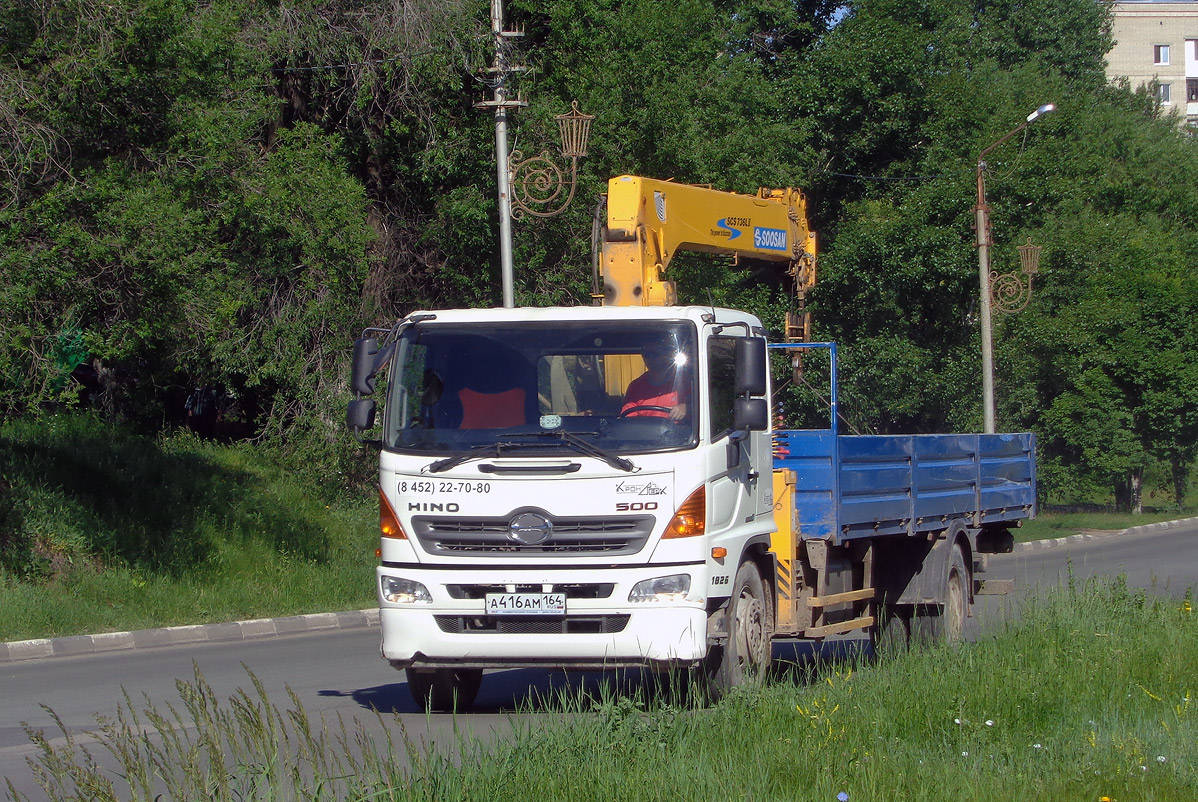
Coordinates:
(1164, 562)
(339, 673)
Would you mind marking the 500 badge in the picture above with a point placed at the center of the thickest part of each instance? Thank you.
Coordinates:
(635, 506)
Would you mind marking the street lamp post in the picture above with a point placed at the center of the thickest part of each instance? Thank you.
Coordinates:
(982, 222)
(526, 186)
(501, 70)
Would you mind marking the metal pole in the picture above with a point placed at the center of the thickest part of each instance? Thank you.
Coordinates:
(983, 229)
(505, 199)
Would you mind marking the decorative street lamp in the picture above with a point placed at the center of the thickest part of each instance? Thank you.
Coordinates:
(982, 223)
(538, 181)
(1009, 292)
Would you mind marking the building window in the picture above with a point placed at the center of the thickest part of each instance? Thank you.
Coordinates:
(1164, 95)
(1160, 55)
(1192, 90)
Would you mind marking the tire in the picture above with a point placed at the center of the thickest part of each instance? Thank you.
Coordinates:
(945, 625)
(956, 599)
(892, 633)
(444, 690)
(745, 658)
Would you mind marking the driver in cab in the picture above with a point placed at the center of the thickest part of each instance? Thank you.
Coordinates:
(663, 390)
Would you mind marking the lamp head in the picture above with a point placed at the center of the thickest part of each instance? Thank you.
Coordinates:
(1040, 112)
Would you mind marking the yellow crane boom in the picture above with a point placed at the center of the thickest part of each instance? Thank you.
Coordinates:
(649, 221)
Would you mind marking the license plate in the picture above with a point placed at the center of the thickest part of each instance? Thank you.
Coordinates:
(526, 604)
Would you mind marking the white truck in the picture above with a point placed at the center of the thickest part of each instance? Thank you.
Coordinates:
(539, 507)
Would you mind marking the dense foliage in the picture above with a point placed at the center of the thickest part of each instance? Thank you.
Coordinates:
(220, 194)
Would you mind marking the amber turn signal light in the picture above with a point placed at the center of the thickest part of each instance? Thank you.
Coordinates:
(388, 520)
(691, 518)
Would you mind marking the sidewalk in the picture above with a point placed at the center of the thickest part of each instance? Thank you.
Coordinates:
(15, 651)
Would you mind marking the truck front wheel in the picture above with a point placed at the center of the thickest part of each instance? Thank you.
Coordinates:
(745, 658)
(444, 690)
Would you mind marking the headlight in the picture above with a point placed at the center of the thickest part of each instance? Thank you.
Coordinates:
(661, 589)
(403, 591)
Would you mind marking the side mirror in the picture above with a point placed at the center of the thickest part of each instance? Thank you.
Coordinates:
(751, 367)
(359, 415)
(361, 378)
(751, 414)
(748, 415)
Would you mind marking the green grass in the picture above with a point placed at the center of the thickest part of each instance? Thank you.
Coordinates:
(105, 530)
(1090, 693)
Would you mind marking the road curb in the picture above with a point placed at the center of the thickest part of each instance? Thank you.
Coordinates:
(255, 629)
(1037, 545)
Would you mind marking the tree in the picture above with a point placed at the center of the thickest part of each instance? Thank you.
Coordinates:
(224, 193)
(180, 212)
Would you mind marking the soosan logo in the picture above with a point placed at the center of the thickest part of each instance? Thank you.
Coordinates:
(770, 239)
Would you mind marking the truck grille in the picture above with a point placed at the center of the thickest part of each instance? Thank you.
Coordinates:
(571, 536)
(532, 625)
(592, 590)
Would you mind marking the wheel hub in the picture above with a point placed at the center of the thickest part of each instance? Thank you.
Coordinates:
(750, 634)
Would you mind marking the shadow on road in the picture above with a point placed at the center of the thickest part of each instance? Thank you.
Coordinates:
(539, 690)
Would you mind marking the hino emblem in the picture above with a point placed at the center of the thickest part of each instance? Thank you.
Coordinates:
(529, 529)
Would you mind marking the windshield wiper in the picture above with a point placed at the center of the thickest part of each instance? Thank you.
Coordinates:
(475, 452)
(595, 451)
(497, 449)
(583, 447)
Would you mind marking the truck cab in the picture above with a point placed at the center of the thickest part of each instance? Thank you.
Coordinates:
(573, 487)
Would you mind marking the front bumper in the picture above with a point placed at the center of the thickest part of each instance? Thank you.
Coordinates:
(604, 630)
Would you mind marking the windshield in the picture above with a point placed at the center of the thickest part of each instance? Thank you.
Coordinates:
(538, 388)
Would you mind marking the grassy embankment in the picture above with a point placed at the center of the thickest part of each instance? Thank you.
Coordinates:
(1089, 695)
(1053, 525)
(103, 530)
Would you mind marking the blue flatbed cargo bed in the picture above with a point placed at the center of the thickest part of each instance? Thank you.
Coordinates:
(854, 486)
(849, 486)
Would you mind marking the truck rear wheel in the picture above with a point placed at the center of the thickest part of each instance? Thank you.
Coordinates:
(745, 658)
(444, 690)
(946, 624)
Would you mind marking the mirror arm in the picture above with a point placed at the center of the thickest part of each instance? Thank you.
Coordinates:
(375, 443)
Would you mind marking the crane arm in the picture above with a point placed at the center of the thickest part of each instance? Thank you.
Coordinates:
(649, 221)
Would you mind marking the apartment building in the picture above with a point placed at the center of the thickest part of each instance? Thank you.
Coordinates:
(1158, 40)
